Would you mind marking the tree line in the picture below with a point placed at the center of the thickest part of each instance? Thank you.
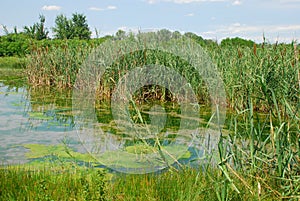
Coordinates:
(76, 28)
(21, 43)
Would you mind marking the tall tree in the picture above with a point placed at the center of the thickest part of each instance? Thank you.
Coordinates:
(37, 30)
(76, 27)
(81, 29)
(120, 34)
(63, 27)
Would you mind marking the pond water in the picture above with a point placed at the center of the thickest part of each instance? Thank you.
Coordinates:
(24, 121)
(36, 123)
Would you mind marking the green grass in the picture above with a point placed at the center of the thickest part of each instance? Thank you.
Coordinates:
(13, 77)
(77, 183)
(17, 183)
(13, 62)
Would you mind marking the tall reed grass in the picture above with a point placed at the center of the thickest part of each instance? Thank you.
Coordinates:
(263, 72)
(56, 64)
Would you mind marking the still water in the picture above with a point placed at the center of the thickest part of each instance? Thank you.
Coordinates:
(36, 123)
(26, 120)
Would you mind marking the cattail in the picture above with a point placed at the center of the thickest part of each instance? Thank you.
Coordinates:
(240, 53)
(295, 51)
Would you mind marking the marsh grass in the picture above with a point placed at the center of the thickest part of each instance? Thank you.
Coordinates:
(263, 72)
(57, 65)
(13, 62)
(17, 183)
(69, 183)
(13, 77)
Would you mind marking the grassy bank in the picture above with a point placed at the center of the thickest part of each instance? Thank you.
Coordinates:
(13, 77)
(12, 70)
(19, 183)
(12, 62)
(92, 184)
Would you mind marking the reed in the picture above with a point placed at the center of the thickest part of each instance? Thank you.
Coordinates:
(57, 64)
(263, 72)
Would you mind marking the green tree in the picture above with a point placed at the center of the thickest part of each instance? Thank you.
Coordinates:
(80, 27)
(37, 30)
(176, 34)
(76, 27)
(63, 27)
(120, 34)
(237, 42)
(195, 37)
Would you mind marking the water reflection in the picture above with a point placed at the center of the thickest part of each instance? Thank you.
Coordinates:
(45, 116)
(29, 118)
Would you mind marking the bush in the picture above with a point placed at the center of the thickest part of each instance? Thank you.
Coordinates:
(14, 45)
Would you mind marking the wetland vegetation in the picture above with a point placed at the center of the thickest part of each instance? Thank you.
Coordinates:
(256, 158)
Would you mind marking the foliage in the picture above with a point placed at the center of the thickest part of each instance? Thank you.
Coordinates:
(58, 183)
(14, 44)
(203, 42)
(56, 62)
(76, 27)
(12, 62)
(37, 31)
(260, 72)
(120, 34)
(237, 42)
(62, 29)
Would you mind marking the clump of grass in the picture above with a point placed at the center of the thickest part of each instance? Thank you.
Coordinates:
(186, 184)
(56, 65)
(263, 150)
(262, 72)
(13, 77)
(17, 183)
(13, 62)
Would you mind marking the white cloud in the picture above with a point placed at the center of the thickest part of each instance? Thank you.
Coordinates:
(286, 33)
(96, 9)
(294, 4)
(111, 8)
(190, 15)
(237, 3)
(184, 1)
(102, 9)
(52, 7)
(289, 1)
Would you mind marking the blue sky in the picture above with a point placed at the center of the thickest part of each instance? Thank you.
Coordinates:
(214, 19)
